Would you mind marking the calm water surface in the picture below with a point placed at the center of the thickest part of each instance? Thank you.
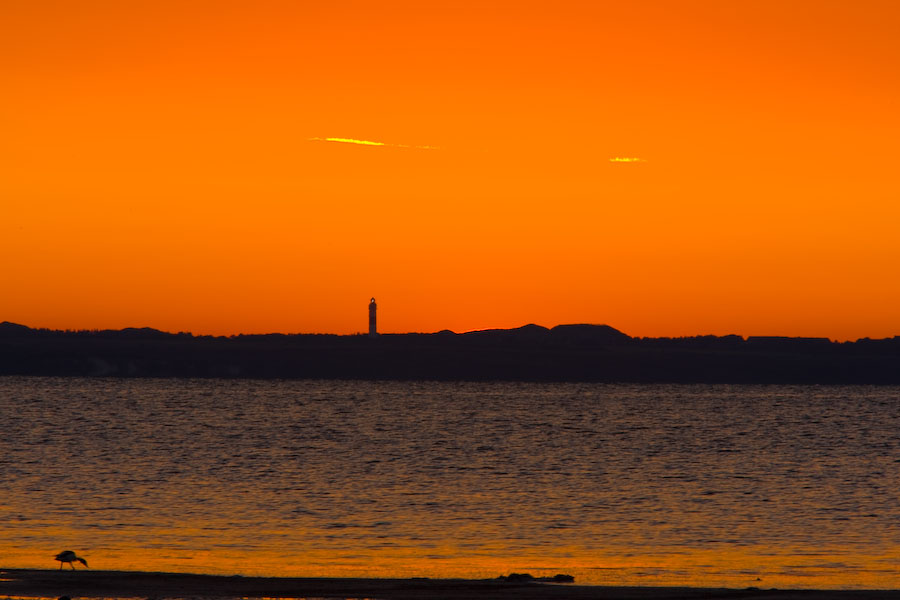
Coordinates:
(771, 486)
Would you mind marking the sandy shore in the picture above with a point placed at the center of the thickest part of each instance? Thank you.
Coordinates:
(156, 586)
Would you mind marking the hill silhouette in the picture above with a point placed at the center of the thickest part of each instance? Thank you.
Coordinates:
(578, 352)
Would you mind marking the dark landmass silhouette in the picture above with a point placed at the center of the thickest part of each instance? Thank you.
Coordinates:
(530, 353)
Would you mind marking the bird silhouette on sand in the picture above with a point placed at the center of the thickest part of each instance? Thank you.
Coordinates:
(67, 556)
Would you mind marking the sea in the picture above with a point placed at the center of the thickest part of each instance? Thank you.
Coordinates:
(648, 485)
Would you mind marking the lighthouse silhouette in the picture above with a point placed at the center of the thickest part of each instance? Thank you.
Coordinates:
(373, 326)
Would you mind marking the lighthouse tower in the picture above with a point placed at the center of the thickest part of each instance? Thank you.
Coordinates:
(373, 327)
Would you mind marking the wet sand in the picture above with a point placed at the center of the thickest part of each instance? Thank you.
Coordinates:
(157, 586)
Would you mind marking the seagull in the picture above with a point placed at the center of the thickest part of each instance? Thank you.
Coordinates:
(67, 556)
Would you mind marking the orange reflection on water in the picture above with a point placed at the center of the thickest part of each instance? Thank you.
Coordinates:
(696, 567)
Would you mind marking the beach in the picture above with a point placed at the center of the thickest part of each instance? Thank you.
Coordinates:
(37, 583)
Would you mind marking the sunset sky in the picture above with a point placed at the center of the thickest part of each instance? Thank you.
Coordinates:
(192, 166)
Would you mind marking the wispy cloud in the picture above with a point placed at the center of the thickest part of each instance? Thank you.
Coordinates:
(626, 159)
(368, 143)
(347, 141)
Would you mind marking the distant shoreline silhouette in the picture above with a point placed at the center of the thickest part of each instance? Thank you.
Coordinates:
(530, 353)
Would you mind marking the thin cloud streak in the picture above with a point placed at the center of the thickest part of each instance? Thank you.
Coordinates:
(625, 159)
(368, 143)
(347, 141)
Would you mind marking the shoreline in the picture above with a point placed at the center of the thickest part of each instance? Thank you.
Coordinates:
(84, 583)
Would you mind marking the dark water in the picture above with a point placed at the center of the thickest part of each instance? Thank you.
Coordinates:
(645, 485)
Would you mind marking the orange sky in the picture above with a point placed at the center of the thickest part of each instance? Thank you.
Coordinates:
(159, 165)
